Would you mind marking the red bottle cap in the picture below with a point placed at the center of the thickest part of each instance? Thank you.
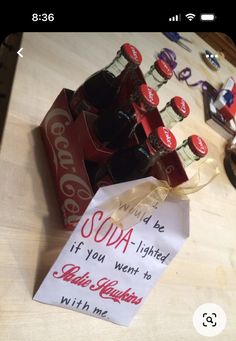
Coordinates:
(148, 95)
(163, 68)
(197, 145)
(180, 106)
(131, 53)
(163, 139)
(166, 138)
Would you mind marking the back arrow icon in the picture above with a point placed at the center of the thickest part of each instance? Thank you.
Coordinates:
(19, 52)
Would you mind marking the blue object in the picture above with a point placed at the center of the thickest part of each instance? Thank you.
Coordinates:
(212, 59)
(176, 37)
(229, 97)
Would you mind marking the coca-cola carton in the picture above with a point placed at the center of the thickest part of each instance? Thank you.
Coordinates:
(71, 145)
(68, 144)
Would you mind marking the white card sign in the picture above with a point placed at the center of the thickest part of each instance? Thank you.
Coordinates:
(107, 272)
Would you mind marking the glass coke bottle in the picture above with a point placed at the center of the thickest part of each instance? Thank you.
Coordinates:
(175, 111)
(159, 74)
(114, 126)
(101, 88)
(192, 149)
(134, 162)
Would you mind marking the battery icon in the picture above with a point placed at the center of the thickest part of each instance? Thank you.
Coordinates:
(207, 17)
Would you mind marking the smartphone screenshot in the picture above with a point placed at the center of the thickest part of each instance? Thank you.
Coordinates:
(118, 177)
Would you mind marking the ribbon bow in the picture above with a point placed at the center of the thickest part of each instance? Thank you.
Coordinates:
(131, 206)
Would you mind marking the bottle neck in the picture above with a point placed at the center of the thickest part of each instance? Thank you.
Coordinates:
(154, 79)
(118, 65)
(144, 107)
(186, 155)
(155, 154)
(138, 101)
(169, 116)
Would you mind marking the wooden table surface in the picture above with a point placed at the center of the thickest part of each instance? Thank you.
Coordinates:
(31, 227)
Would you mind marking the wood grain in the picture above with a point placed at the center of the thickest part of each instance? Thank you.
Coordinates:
(31, 227)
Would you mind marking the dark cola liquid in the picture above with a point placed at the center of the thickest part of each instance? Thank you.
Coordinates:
(101, 88)
(129, 164)
(113, 127)
(92, 170)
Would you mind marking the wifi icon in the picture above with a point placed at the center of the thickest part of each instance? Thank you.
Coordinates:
(190, 16)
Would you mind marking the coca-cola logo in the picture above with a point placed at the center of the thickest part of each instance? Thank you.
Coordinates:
(150, 95)
(201, 145)
(165, 67)
(132, 53)
(180, 106)
(168, 137)
(183, 105)
(71, 185)
(135, 54)
(56, 128)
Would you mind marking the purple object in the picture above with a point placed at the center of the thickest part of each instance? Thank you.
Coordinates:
(169, 56)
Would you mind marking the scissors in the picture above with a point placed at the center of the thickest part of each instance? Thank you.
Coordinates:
(175, 37)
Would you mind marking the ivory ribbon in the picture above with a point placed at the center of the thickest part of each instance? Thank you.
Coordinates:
(131, 206)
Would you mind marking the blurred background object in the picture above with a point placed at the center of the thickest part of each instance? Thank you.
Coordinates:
(8, 59)
(222, 43)
(211, 60)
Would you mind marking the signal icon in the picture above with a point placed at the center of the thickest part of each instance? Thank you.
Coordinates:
(175, 18)
(190, 16)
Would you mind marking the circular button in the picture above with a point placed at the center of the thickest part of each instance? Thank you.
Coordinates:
(209, 319)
